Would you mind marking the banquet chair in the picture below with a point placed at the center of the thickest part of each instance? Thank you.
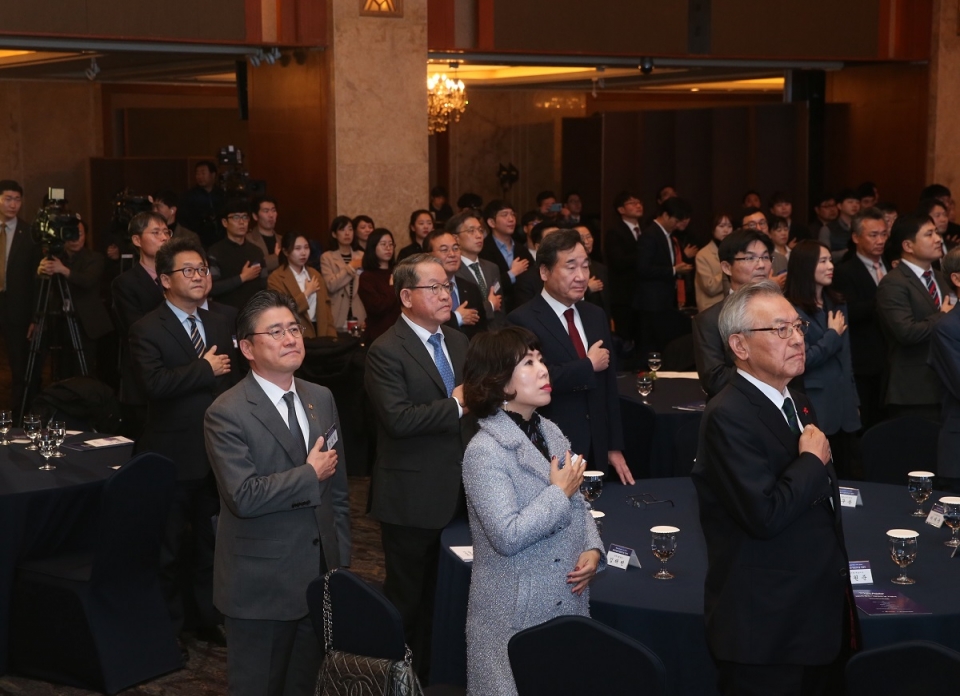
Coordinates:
(98, 620)
(601, 653)
(893, 448)
(374, 627)
(913, 667)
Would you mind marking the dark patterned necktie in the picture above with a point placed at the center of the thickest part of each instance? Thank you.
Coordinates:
(475, 267)
(790, 411)
(195, 337)
(294, 424)
(932, 288)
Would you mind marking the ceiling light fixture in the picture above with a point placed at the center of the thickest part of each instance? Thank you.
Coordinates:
(446, 100)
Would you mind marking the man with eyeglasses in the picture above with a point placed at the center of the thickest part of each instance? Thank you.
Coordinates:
(777, 599)
(184, 358)
(837, 233)
(276, 449)
(483, 273)
(414, 378)
(468, 315)
(745, 257)
(241, 266)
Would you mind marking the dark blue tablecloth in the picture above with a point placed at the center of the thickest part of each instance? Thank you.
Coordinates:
(42, 511)
(667, 616)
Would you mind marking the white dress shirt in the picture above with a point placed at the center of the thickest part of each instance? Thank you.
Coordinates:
(560, 308)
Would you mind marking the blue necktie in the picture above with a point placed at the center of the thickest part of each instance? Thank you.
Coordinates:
(446, 372)
(453, 295)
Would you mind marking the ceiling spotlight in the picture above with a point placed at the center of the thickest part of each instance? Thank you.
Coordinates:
(93, 70)
(646, 65)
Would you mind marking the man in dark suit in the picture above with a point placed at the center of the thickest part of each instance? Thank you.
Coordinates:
(659, 265)
(945, 360)
(414, 380)
(19, 256)
(911, 299)
(500, 247)
(468, 313)
(276, 449)
(620, 245)
(135, 293)
(777, 599)
(837, 234)
(782, 206)
(184, 357)
(825, 211)
(484, 274)
(857, 279)
(574, 340)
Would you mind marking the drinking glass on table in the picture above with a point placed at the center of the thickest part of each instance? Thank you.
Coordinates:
(951, 518)
(31, 427)
(644, 386)
(592, 485)
(919, 486)
(663, 543)
(47, 442)
(6, 422)
(903, 551)
(654, 361)
(59, 428)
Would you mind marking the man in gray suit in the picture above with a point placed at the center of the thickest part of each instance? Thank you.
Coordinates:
(414, 380)
(275, 446)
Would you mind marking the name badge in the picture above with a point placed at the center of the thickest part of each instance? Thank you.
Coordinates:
(935, 518)
(330, 438)
(621, 557)
(850, 497)
(860, 573)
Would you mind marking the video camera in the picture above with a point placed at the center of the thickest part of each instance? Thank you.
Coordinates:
(125, 206)
(235, 181)
(54, 225)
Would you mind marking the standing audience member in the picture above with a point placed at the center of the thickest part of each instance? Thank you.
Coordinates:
(777, 600)
(362, 229)
(511, 256)
(868, 194)
(828, 376)
(413, 379)
(263, 234)
(942, 194)
(485, 274)
(439, 207)
(857, 279)
(305, 285)
(780, 236)
(165, 203)
(837, 234)
(711, 283)
(575, 339)
(241, 263)
(184, 357)
(945, 360)
(201, 205)
(911, 299)
(597, 291)
(341, 268)
(421, 224)
(620, 246)
(936, 210)
(751, 199)
(284, 504)
(825, 211)
(468, 314)
(376, 285)
(531, 526)
(781, 206)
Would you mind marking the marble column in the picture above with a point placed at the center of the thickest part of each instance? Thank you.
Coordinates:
(943, 140)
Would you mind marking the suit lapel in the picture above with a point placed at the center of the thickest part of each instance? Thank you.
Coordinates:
(768, 413)
(266, 412)
(177, 331)
(551, 322)
(919, 286)
(415, 348)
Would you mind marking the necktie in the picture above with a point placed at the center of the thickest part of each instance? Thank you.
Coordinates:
(878, 270)
(454, 297)
(790, 411)
(446, 372)
(636, 232)
(195, 337)
(294, 424)
(574, 334)
(681, 282)
(475, 267)
(932, 288)
(3, 256)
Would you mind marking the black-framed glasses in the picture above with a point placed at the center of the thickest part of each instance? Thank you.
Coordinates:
(435, 288)
(785, 331)
(190, 271)
(645, 499)
(276, 333)
(765, 258)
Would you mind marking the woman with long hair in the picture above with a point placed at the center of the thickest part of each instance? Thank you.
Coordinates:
(376, 285)
(711, 284)
(421, 224)
(341, 268)
(305, 285)
(362, 227)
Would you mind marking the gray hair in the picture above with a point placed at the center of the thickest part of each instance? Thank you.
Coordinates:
(733, 316)
(405, 274)
(951, 264)
(257, 305)
(856, 225)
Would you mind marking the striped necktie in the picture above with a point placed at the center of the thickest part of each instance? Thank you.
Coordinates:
(932, 288)
(195, 337)
(475, 268)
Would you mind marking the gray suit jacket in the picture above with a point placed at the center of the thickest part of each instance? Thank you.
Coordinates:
(491, 275)
(274, 514)
(714, 366)
(908, 317)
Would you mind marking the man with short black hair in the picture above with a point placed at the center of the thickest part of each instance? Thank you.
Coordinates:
(200, 205)
(165, 203)
(782, 206)
(620, 246)
(240, 263)
(942, 194)
(937, 211)
(468, 314)
(837, 234)
(826, 211)
(502, 248)
(485, 274)
(545, 201)
(263, 233)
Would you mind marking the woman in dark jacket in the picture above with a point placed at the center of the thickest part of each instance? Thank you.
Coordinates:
(421, 224)
(376, 285)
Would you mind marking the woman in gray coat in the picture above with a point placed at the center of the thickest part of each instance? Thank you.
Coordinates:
(535, 545)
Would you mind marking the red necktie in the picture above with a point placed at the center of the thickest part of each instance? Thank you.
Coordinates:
(681, 283)
(574, 334)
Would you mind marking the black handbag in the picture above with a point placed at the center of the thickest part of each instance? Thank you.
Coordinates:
(346, 674)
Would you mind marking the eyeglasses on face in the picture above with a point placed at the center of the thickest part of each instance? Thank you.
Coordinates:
(190, 271)
(435, 288)
(785, 331)
(276, 333)
(238, 217)
(765, 258)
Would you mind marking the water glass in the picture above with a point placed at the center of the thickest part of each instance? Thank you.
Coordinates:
(654, 361)
(6, 422)
(903, 551)
(59, 428)
(31, 427)
(951, 518)
(47, 442)
(598, 518)
(919, 486)
(663, 543)
(592, 485)
(644, 386)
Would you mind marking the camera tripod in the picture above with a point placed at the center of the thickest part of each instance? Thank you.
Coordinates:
(42, 311)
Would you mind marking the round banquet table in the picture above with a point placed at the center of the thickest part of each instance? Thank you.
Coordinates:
(45, 511)
(667, 616)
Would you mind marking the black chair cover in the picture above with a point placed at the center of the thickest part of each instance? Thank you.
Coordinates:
(917, 667)
(891, 449)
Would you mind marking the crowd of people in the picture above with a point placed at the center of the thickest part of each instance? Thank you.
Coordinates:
(492, 345)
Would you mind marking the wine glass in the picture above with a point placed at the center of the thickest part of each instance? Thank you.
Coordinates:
(592, 485)
(951, 518)
(6, 420)
(644, 386)
(598, 518)
(903, 551)
(47, 442)
(663, 543)
(654, 361)
(31, 427)
(59, 429)
(919, 486)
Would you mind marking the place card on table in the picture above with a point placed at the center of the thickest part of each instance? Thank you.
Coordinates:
(694, 407)
(850, 497)
(99, 443)
(860, 573)
(677, 375)
(935, 518)
(464, 553)
(879, 602)
(621, 557)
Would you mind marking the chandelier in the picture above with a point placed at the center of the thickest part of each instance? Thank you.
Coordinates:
(446, 100)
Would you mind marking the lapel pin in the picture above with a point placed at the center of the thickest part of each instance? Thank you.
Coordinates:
(310, 406)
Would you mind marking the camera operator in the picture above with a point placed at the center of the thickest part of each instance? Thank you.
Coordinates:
(200, 205)
(165, 204)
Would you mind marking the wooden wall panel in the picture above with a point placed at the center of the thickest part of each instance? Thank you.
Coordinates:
(581, 158)
(182, 132)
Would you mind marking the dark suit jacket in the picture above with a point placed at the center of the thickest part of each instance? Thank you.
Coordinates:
(135, 294)
(867, 343)
(945, 360)
(656, 281)
(491, 276)
(620, 254)
(511, 300)
(602, 298)
(22, 262)
(470, 293)
(420, 438)
(179, 385)
(584, 404)
(777, 569)
(714, 368)
(908, 317)
(86, 269)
